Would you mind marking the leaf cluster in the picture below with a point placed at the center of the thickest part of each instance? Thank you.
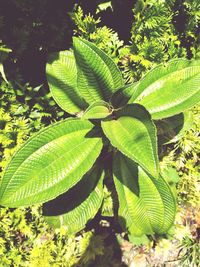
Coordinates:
(113, 124)
(25, 239)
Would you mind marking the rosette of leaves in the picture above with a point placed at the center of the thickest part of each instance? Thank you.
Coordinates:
(111, 135)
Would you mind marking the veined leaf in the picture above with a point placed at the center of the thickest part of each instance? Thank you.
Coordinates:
(169, 89)
(134, 134)
(97, 110)
(50, 163)
(80, 204)
(146, 204)
(98, 75)
(61, 74)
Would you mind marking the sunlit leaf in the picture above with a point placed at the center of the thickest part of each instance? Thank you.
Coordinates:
(169, 88)
(97, 110)
(133, 133)
(50, 163)
(98, 75)
(61, 74)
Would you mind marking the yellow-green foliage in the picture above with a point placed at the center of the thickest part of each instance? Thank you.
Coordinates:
(188, 163)
(13, 129)
(159, 34)
(105, 38)
(154, 38)
(25, 239)
(184, 156)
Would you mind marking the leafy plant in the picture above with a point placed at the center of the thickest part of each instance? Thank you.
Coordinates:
(111, 135)
(187, 21)
(25, 238)
(153, 38)
(190, 250)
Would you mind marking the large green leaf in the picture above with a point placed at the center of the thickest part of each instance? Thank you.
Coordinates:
(133, 133)
(97, 110)
(80, 204)
(146, 204)
(50, 163)
(61, 74)
(169, 88)
(98, 75)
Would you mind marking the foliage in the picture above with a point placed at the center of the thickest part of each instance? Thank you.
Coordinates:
(26, 27)
(187, 21)
(23, 111)
(86, 79)
(161, 30)
(184, 156)
(25, 239)
(190, 251)
(154, 38)
(103, 37)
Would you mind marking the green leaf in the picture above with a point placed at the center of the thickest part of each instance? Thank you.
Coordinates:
(97, 110)
(80, 204)
(172, 129)
(121, 97)
(146, 204)
(98, 75)
(169, 89)
(61, 74)
(50, 163)
(134, 134)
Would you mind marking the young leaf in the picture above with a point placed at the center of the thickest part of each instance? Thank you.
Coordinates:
(80, 204)
(61, 75)
(169, 89)
(146, 204)
(97, 110)
(134, 134)
(98, 75)
(50, 163)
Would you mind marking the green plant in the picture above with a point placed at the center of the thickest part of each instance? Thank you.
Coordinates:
(189, 251)
(187, 22)
(87, 27)
(153, 38)
(112, 136)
